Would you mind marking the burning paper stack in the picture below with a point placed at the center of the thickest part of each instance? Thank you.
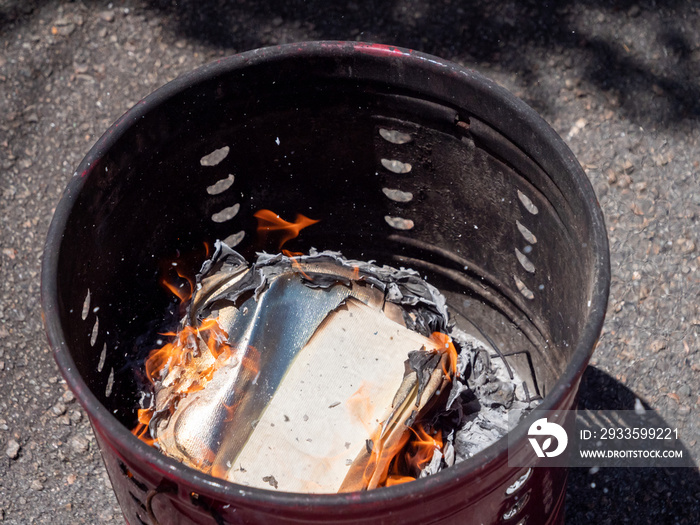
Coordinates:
(315, 373)
(303, 373)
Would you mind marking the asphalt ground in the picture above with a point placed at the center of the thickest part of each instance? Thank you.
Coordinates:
(618, 80)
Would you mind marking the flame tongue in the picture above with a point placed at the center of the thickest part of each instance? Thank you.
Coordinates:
(270, 224)
(422, 448)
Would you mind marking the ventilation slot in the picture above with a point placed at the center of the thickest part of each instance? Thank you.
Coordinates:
(226, 214)
(398, 195)
(399, 223)
(529, 205)
(396, 166)
(221, 185)
(395, 137)
(215, 157)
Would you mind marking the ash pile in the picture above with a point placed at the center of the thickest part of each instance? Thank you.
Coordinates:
(318, 374)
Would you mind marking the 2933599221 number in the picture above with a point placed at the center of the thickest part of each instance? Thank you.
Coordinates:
(639, 433)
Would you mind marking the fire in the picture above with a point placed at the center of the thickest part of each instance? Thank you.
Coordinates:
(183, 348)
(269, 222)
(397, 479)
(178, 290)
(295, 263)
(141, 429)
(377, 468)
(415, 456)
(395, 463)
(421, 448)
(251, 360)
(178, 353)
(445, 345)
(192, 355)
(402, 461)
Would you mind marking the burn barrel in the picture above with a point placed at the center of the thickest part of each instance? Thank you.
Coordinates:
(408, 160)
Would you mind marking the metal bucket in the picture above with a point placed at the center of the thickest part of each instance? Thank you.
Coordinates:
(491, 205)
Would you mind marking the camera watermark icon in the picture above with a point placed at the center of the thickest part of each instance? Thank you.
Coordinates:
(542, 427)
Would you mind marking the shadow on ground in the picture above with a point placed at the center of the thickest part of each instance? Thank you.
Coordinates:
(627, 495)
(654, 83)
(636, 56)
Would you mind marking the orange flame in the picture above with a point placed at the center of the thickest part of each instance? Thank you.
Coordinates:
(381, 459)
(251, 360)
(397, 479)
(415, 456)
(421, 448)
(402, 461)
(292, 254)
(393, 464)
(360, 407)
(445, 345)
(295, 263)
(141, 429)
(269, 222)
(180, 351)
(178, 290)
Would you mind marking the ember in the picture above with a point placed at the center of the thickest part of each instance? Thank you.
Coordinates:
(322, 373)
